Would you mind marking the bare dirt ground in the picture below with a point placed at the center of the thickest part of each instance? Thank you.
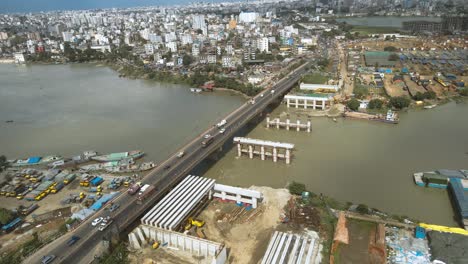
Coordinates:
(412, 86)
(358, 249)
(393, 89)
(245, 233)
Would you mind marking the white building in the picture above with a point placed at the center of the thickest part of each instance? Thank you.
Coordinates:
(186, 39)
(196, 50)
(19, 58)
(154, 38)
(227, 62)
(149, 49)
(248, 17)
(262, 45)
(172, 46)
(211, 59)
(254, 79)
(3, 36)
(67, 36)
(198, 22)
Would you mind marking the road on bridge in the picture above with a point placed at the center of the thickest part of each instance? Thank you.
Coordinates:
(164, 177)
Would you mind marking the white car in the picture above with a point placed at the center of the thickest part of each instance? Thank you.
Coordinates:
(181, 154)
(222, 130)
(97, 221)
(207, 136)
(261, 95)
(272, 91)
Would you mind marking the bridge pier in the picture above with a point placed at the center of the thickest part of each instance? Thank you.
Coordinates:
(288, 124)
(274, 154)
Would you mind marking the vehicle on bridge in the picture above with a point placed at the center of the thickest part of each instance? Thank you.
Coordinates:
(134, 188)
(207, 142)
(142, 195)
(97, 221)
(73, 240)
(222, 123)
(47, 259)
(180, 154)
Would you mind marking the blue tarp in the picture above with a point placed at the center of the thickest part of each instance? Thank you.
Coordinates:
(102, 201)
(33, 160)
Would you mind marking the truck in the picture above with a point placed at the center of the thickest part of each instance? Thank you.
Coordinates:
(206, 142)
(134, 188)
(96, 181)
(146, 193)
(12, 225)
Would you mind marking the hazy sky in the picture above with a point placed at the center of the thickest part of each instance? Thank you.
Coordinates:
(11, 6)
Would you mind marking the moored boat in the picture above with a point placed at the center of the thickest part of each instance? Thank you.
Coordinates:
(36, 160)
(131, 167)
(440, 178)
(135, 154)
(79, 159)
(196, 90)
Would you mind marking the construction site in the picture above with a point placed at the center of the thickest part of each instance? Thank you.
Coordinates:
(216, 225)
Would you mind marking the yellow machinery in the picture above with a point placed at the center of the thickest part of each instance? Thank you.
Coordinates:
(193, 222)
(446, 229)
(155, 245)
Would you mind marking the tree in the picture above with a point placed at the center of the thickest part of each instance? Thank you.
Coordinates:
(390, 48)
(360, 91)
(187, 60)
(430, 95)
(3, 163)
(5, 216)
(353, 104)
(464, 92)
(419, 96)
(375, 104)
(362, 209)
(400, 102)
(296, 188)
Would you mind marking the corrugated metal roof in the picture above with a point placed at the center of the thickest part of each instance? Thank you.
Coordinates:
(459, 196)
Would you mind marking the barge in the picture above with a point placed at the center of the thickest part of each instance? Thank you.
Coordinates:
(134, 154)
(440, 178)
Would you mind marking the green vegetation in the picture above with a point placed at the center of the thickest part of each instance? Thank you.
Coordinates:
(375, 104)
(119, 255)
(187, 60)
(3, 163)
(353, 104)
(6, 216)
(427, 95)
(296, 188)
(314, 78)
(362, 209)
(366, 30)
(464, 92)
(323, 63)
(390, 48)
(360, 91)
(400, 102)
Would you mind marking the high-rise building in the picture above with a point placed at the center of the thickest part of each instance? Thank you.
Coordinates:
(67, 36)
(262, 45)
(198, 22)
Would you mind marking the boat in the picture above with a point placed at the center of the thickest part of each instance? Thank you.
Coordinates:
(391, 117)
(75, 160)
(36, 160)
(131, 167)
(196, 90)
(107, 165)
(134, 154)
(430, 106)
(440, 178)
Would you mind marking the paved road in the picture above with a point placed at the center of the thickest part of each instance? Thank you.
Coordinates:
(165, 176)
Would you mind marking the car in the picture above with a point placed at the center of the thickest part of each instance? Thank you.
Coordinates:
(168, 166)
(261, 95)
(114, 207)
(222, 130)
(272, 91)
(73, 240)
(47, 259)
(180, 154)
(97, 221)
(207, 136)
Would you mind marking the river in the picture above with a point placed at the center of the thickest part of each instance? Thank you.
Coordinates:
(363, 162)
(66, 109)
(384, 21)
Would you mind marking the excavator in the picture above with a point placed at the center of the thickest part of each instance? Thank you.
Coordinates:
(193, 222)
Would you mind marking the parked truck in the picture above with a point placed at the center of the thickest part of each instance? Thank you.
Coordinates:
(146, 193)
(96, 181)
(134, 188)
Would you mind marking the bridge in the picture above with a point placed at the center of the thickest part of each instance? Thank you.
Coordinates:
(164, 177)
